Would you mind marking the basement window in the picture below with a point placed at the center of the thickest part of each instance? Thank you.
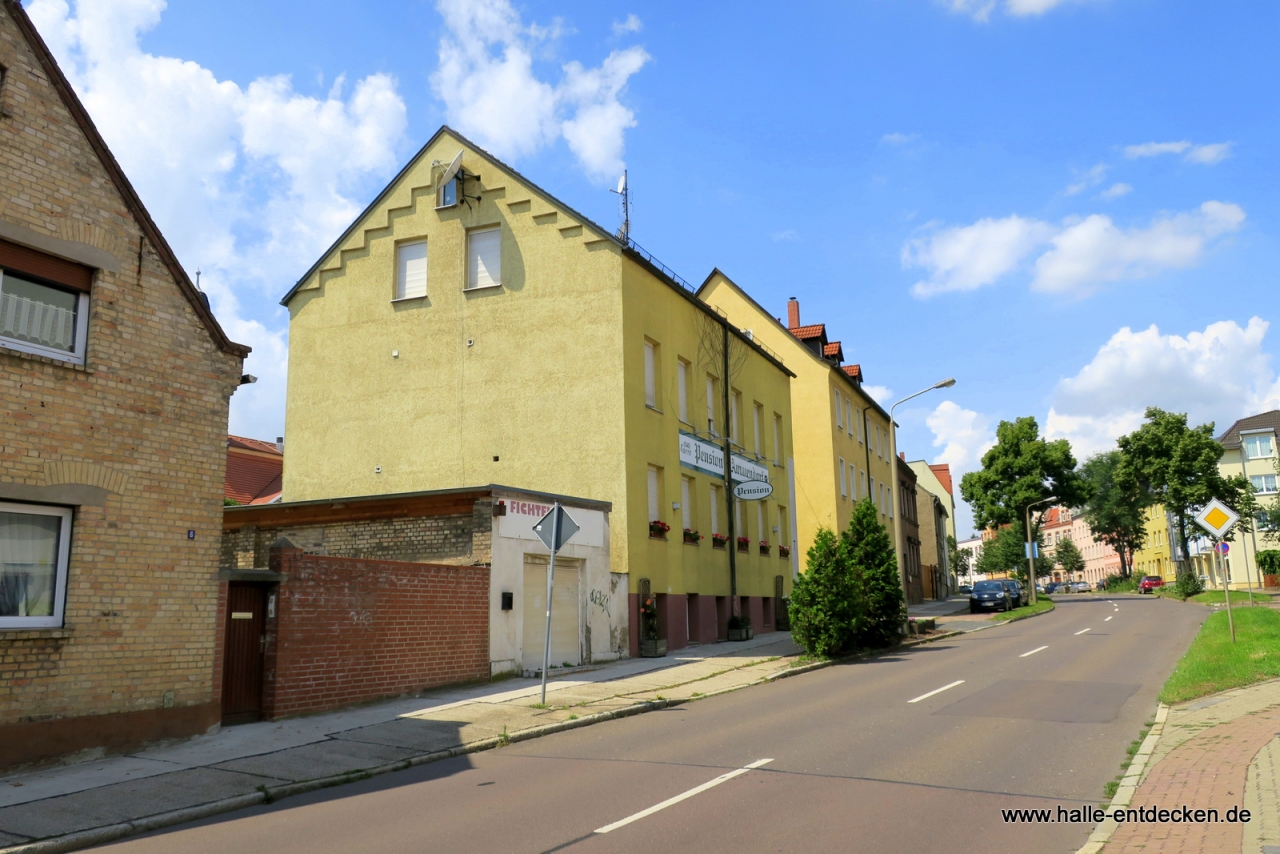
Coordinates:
(34, 545)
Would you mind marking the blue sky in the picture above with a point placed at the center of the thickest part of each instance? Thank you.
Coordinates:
(1070, 206)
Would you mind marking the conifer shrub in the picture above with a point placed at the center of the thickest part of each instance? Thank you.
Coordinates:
(881, 607)
(822, 602)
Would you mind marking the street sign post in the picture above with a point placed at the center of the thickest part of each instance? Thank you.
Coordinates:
(1218, 519)
(554, 529)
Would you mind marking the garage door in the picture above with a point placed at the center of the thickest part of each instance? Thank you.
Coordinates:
(565, 616)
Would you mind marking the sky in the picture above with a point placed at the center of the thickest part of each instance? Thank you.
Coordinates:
(1067, 205)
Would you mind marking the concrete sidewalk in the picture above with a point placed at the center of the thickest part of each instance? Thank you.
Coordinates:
(939, 607)
(75, 806)
(1218, 752)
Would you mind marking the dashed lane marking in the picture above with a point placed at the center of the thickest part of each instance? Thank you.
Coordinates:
(710, 784)
(937, 691)
(1033, 652)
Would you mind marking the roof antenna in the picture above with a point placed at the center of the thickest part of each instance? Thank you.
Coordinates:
(197, 278)
(624, 233)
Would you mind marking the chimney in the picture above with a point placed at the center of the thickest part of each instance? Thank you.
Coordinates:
(793, 313)
(280, 444)
(902, 455)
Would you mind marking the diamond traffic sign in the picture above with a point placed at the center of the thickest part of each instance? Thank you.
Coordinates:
(1217, 518)
(546, 528)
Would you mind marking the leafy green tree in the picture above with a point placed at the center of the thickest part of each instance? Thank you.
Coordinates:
(1022, 469)
(1115, 514)
(1177, 466)
(957, 558)
(822, 608)
(882, 609)
(1067, 556)
(1006, 552)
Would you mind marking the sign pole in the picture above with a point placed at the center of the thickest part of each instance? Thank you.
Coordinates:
(1226, 587)
(551, 568)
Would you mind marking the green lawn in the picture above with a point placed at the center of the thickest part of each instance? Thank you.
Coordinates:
(1214, 664)
(1238, 597)
(1043, 603)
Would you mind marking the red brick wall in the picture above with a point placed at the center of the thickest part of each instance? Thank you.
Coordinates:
(349, 630)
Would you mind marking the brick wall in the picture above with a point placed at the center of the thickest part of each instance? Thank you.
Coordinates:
(142, 423)
(462, 538)
(349, 630)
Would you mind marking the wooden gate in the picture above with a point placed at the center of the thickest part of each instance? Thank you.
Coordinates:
(242, 653)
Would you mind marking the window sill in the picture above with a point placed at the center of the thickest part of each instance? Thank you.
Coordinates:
(8, 348)
(11, 633)
(495, 285)
(654, 409)
(407, 299)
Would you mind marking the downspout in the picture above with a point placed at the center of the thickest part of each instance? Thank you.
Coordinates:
(728, 478)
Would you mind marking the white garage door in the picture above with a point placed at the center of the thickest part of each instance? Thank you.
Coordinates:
(565, 612)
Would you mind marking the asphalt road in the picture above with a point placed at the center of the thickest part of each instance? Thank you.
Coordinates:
(854, 763)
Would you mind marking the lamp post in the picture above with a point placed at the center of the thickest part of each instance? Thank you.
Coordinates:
(1031, 560)
(893, 469)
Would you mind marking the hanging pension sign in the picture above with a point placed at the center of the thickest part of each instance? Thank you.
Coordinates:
(708, 458)
(752, 490)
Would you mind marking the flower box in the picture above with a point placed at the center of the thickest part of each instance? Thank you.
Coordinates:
(719, 541)
(744, 544)
(691, 536)
(764, 547)
(784, 551)
(658, 529)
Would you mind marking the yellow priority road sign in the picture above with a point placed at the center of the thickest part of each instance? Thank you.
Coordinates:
(1217, 518)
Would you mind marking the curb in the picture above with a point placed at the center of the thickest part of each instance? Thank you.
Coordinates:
(1128, 784)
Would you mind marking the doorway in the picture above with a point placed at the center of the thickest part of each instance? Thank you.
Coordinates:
(566, 618)
(243, 653)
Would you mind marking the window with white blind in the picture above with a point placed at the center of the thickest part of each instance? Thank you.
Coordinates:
(777, 438)
(34, 544)
(839, 401)
(840, 468)
(848, 416)
(650, 374)
(484, 258)
(686, 503)
(411, 270)
(713, 394)
(1263, 483)
(784, 529)
(716, 500)
(1258, 446)
(737, 519)
(682, 389)
(757, 415)
(40, 319)
(760, 528)
(655, 498)
(735, 417)
(861, 424)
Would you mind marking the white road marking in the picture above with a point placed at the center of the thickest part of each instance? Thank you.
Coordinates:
(1033, 652)
(1082, 631)
(723, 778)
(1108, 618)
(937, 691)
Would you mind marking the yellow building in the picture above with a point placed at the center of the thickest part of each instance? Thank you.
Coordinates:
(1153, 557)
(842, 435)
(472, 329)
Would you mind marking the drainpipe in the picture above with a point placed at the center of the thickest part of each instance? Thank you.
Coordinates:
(728, 478)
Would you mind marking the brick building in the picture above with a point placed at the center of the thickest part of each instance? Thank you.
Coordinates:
(115, 380)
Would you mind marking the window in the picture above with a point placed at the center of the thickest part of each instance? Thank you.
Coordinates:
(484, 259)
(757, 415)
(447, 193)
(1258, 446)
(712, 396)
(716, 500)
(411, 270)
(862, 424)
(34, 545)
(686, 502)
(839, 411)
(848, 416)
(735, 418)
(42, 319)
(760, 529)
(655, 495)
(1263, 483)
(888, 499)
(777, 438)
(682, 389)
(784, 529)
(650, 375)
(737, 519)
(840, 468)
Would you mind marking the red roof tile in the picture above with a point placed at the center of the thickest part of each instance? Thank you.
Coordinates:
(833, 349)
(854, 371)
(252, 444)
(815, 331)
(942, 471)
(254, 477)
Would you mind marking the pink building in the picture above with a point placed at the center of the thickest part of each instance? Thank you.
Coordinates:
(1100, 559)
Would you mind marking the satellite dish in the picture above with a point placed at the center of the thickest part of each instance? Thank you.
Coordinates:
(452, 171)
(622, 184)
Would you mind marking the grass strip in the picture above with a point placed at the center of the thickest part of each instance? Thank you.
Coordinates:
(1043, 603)
(1213, 663)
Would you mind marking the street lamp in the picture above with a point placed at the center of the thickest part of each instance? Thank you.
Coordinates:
(893, 451)
(1031, 561)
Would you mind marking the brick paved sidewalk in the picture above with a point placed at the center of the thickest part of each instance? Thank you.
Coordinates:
(1217, 753)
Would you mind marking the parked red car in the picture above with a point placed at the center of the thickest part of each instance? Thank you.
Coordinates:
(1150, 583)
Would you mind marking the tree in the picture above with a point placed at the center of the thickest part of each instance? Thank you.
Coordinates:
(1006, 552)
(957, 557)
(1177, 466)
(882, 609)
(1115, 515)
(1067, 556)
(822, 607)
(1022, 469)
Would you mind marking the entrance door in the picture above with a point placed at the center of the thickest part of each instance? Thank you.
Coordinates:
(566, 621)
(242, 653)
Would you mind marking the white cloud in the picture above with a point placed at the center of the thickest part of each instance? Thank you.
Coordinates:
(1117, 190)
(785, 235)
(1083, 253)
(965, 258)
(248, 184)
(963, 435)
(1208, 154)
(490, 90)
(1023, 8)
(879, 393)
(899, 138)
(1093, 251)
(1089, 179)
(632, 24)
(1219, 374)
(980, 10)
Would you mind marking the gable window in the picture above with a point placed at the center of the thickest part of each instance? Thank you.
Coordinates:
(411, 270)
(34, 545)
(484, 258)
(1258, 446)
(41, 318)
(682, 389)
